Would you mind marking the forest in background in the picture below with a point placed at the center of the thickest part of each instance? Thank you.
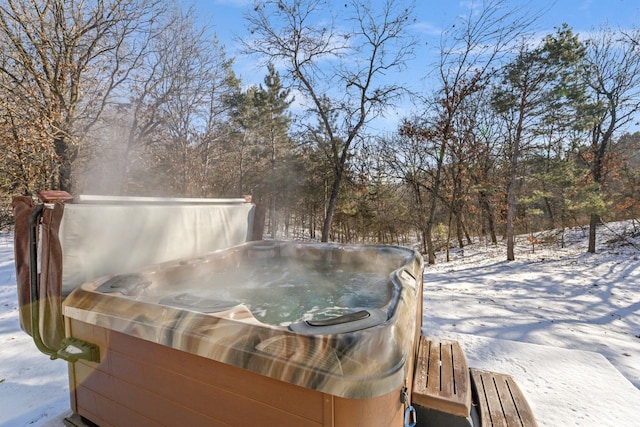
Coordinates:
(133, 97)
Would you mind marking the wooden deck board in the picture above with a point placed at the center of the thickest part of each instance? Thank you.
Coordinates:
(447, 370)
(500, 400)
(509, 408)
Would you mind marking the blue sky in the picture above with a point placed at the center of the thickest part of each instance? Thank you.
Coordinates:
(225, 17)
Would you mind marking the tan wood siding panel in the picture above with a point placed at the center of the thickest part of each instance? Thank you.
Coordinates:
(118, 401)
(100, 394)
(158, 383)
(120, 416)
(72, 389)
(237, 390)
(95, 407)
(229, 406)
(328, 413)
(87, 332)
(383, 411)
(298, 400)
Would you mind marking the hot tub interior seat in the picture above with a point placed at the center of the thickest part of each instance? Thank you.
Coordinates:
(125, 284)
(135, 284)
(204, 305)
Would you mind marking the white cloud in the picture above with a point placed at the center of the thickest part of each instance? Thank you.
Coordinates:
(427, 28)
(235, 3)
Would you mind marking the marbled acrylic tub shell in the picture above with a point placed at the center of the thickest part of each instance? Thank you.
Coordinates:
(362, 354)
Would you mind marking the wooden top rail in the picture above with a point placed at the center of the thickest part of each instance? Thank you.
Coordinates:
(51, 196)
(441, 378)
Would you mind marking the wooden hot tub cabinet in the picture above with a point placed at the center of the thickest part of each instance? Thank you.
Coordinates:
(139, 383)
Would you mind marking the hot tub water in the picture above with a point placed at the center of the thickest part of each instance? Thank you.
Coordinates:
(277, 293)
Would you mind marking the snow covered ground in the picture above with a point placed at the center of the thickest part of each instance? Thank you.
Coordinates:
(578, 313)
(33, 388)
(557, 297)
(559, 320)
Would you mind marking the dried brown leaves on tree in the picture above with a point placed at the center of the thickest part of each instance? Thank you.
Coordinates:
(62, 60)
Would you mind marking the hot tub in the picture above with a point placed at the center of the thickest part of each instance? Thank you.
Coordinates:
(264, 333)
(169, 316)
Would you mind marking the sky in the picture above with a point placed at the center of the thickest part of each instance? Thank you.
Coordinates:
(433, 17)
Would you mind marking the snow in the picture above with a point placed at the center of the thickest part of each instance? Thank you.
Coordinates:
(565, 324)
(563, 387)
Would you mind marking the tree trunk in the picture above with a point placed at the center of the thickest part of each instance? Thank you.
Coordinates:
(551, 220)
(420, 209)
(448, 242)
(272, 212)
(434, 199)
(486, 207)
(511, 202)
(599, 151)
(431, 253)
(331, 208)
(511, 198)
(511, 191)
(312, 224)
(63, 151)
(258, 222)
(593, 224)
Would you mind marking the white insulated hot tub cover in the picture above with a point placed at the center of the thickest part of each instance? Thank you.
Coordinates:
(109, 235)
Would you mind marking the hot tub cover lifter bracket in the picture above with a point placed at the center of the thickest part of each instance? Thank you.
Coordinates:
(72, 349)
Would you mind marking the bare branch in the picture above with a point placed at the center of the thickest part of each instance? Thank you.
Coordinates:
(342, 72)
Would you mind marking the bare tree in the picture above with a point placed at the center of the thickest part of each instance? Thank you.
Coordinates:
(469, 53)
(63, 59)
(613, 76)
(340, 72)
(25, 160)
(187, 103)
(409, 161)
(163, 133)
